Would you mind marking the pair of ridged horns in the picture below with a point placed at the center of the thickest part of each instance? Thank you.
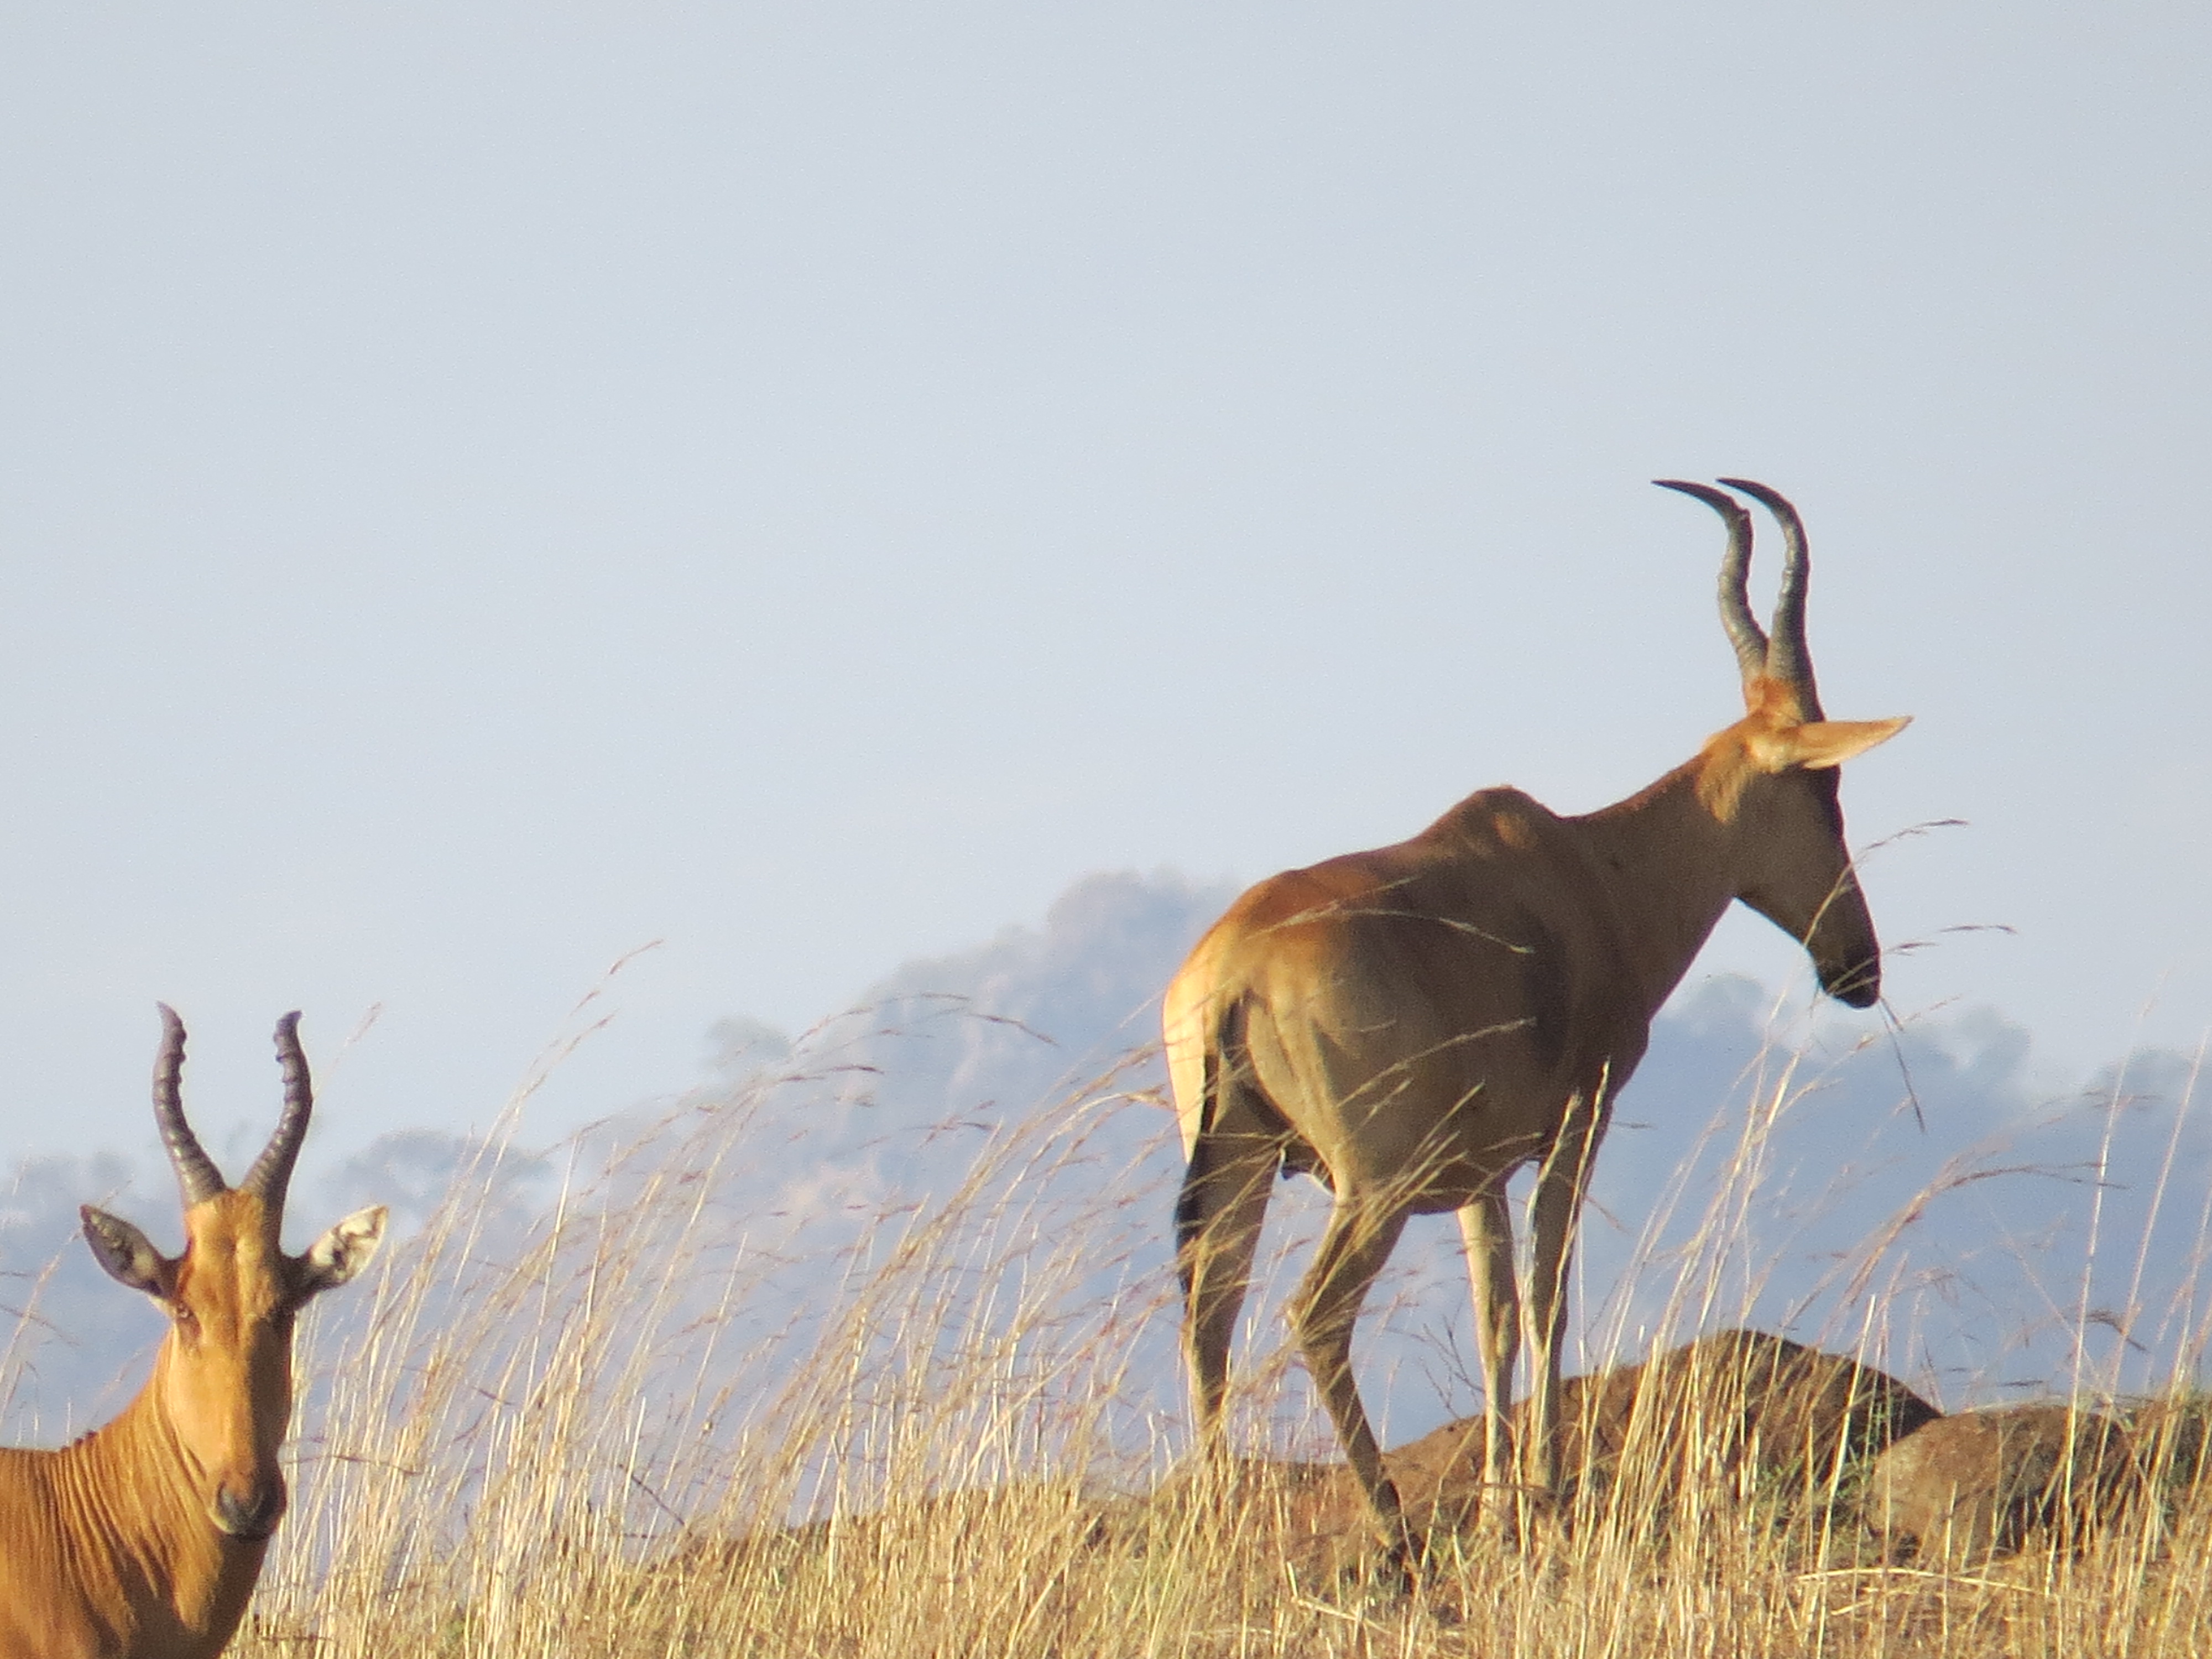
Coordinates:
(1786, 658)
(196, 1176)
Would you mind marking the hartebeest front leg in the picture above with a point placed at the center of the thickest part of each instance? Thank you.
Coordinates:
(1353, 1247)
(1555, 1211)
(1485, 1226)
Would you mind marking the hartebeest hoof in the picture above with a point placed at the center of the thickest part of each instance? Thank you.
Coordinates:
(1400, 1573)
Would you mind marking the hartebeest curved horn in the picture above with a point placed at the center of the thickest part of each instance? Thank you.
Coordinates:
(271, 1173)
(196, 1176)
(1789, 660)
(1743, 629)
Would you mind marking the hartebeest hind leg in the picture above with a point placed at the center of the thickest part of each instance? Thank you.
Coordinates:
(1218, 1215)
(1354, 1245)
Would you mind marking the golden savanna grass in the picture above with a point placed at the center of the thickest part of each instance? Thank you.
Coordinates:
(656, 1422)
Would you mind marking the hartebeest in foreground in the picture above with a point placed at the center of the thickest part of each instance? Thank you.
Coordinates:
(143, 1540)
(1414, 1024)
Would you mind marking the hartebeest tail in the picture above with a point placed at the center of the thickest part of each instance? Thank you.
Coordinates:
(143, 1540)
(1414, 1024)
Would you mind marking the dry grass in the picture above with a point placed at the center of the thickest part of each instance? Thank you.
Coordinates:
(643, 1427)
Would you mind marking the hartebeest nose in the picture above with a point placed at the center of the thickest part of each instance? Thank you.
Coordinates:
(1856, 986)
(251, 1513)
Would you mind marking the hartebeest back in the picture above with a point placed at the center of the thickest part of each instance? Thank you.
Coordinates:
(1414, 1024)
(143, 1540)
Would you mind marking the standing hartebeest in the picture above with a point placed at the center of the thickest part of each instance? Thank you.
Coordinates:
(1414, 1024)
(143, 1540)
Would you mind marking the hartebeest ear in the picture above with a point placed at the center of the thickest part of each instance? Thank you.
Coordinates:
(127, 1255)
(1816, 746)
(339, 1253)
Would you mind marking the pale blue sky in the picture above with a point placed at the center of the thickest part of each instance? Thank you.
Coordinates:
(482, 489)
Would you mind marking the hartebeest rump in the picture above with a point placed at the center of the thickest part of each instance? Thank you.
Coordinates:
(143, 1539)
(1414, 1024)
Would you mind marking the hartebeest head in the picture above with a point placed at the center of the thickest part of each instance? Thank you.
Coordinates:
(1772, 775)
(224, 1376)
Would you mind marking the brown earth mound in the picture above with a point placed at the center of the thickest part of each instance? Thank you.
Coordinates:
(1964, 1487)
(1739, 1416)
(1752, 1414)
(2172, 1443)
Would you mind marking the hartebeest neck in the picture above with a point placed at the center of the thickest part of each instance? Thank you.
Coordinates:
(1669, 864)
(130, 1490)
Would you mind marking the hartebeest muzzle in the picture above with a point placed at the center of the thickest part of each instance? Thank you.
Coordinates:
(251, 1510)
